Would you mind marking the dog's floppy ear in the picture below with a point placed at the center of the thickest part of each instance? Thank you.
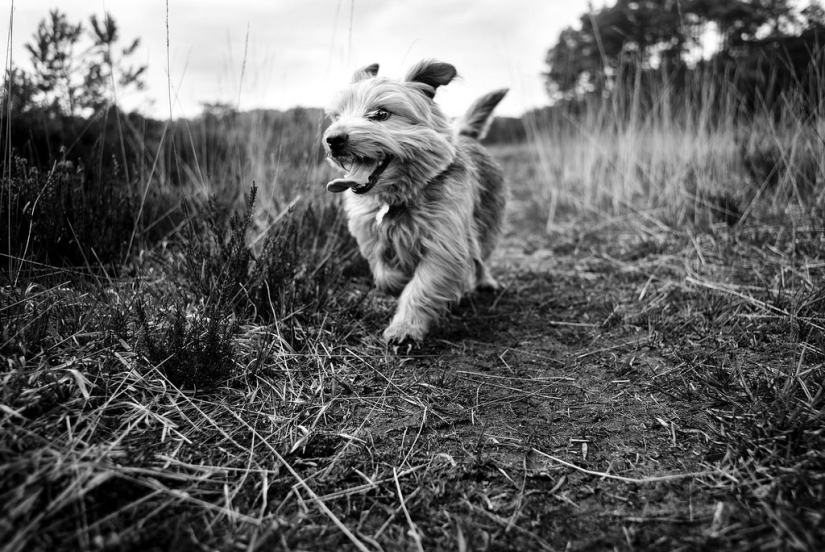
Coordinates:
(365, 72)
(432, 73)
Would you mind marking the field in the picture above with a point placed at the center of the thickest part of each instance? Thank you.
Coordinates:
(649, 378)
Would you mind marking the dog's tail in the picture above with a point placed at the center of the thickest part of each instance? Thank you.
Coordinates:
(476, 122)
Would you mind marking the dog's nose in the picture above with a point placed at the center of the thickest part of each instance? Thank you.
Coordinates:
(337, 141)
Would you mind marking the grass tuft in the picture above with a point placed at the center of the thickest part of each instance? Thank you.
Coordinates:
(191, 349)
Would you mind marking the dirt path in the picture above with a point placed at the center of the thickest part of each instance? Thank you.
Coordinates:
(548, 369)
(581, 407)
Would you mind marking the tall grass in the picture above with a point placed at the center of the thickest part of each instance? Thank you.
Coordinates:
(676, 150)
(279, 151)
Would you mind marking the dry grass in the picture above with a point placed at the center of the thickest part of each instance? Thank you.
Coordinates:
(650, 378)
(682, 154)
(748, 305)
(664, 391)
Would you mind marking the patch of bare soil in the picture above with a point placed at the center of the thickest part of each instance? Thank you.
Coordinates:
(546, 375)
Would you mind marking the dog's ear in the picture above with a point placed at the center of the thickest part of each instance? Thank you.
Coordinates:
(432, 73)
(365, 72)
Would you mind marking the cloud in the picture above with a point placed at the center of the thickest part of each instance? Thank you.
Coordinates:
(297, 51)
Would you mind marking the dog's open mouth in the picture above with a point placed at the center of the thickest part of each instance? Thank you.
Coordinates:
(362, 174)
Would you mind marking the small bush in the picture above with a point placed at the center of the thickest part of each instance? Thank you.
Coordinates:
(63, 217)
(190, 349)
(215, 260)
(300, 264)
(294, 281)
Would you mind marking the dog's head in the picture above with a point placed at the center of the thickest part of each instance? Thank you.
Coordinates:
(389, 135)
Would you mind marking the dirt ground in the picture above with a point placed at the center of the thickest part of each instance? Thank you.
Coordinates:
(544, 375)
(584, 407)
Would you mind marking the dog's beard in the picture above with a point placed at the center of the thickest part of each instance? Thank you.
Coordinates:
(362, 173)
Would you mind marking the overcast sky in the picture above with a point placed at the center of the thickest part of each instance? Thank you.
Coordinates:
(299, 51)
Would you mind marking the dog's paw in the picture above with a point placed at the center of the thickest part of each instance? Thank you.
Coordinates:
(401, 333)
(488, 285)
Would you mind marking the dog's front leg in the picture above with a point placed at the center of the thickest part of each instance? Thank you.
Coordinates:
(439, 280)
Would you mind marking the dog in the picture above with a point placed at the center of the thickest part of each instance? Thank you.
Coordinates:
(423, 198)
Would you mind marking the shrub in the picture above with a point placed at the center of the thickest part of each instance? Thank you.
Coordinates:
(61, 216)
(293, 276)
(191, 349)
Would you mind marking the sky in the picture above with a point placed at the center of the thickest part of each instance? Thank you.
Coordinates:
(284, 53)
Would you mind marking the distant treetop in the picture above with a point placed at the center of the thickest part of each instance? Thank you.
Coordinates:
(76, 69)
(671, 34)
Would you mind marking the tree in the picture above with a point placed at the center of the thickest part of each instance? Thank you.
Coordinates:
(106, 72)
(742, 21)
(77, 71)
(646, 34)
(20, 90)
(56, 66)
(814, 15)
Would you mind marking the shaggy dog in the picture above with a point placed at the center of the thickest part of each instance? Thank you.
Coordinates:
(423, 198)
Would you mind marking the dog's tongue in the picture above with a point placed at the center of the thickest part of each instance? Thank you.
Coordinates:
(359, 175)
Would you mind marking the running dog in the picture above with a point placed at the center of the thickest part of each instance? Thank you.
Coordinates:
(424, 199)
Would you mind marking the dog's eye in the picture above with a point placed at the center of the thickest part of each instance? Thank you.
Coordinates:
(379, 114)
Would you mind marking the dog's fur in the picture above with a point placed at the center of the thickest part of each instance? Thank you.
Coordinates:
(424, 199)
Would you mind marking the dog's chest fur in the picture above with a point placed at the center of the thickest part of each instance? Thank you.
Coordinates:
(386, 234)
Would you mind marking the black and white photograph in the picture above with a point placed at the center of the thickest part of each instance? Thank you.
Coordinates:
(377, 276)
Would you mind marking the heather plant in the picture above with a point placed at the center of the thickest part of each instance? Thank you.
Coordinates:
(192, 348)
(215, 260)
(63, 216)
(285, 270)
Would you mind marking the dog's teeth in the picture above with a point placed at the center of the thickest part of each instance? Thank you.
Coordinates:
(357, 177)
(360, 172)
(361, 176)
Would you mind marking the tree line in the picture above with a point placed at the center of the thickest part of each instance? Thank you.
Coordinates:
(769, 45)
